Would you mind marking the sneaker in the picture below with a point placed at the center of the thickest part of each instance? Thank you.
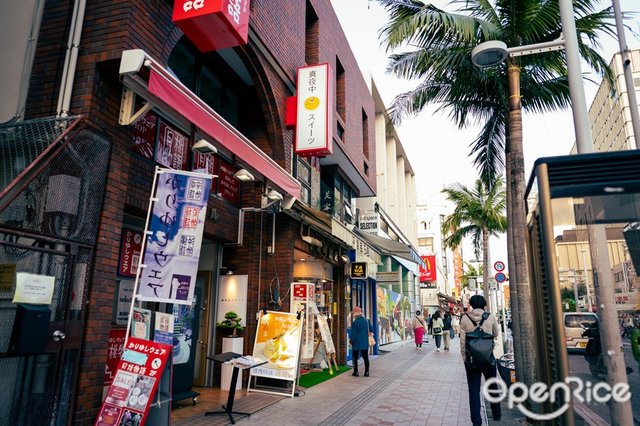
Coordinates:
(366, 374)
(438, 349)
(355, 374)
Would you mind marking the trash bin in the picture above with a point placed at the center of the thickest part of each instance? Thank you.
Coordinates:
(507, 368)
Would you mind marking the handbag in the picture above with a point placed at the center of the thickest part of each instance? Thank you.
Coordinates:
(372, 340)
(437, 330)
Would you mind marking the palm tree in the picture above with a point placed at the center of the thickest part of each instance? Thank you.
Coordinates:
(479, 213)
(469, 272)
(437, 53)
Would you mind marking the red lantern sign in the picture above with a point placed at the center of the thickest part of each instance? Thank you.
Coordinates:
(213, 24)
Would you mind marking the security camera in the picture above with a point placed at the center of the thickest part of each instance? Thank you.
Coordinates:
(204, 147)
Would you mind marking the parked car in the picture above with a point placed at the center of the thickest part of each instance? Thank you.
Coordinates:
(574, 325)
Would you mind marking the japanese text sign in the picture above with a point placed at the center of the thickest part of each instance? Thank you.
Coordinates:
(213, 24)
(135, 383)
(130, 250)
(172, 249)
(314, 111)
(358, 269)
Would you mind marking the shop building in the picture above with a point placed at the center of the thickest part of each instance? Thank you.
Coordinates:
(110, 90)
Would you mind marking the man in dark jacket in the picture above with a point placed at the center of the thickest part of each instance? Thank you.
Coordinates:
(359, 339)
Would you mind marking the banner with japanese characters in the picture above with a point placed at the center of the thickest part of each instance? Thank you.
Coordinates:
(135, 383)
(172, 248)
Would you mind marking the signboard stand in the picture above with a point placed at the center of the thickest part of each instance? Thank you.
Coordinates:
(278, 340)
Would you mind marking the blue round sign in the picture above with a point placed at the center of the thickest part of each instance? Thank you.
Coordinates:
(500, 277)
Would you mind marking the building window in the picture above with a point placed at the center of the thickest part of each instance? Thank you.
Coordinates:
(365, 134)
(338, 198)
(340, 90)
(303, 173)
(427, 243)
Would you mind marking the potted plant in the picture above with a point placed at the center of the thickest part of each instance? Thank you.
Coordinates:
(231, 322)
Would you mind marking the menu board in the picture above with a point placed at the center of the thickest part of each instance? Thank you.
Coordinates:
(278, 341)
(172, 147)
(326, 334)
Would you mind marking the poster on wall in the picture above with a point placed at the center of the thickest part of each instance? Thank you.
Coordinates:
(394, 316)
(277, 341)
(183, 328)
(172, 250)
(125, 297)
(141, 323)
(33, 288)
(114, 352)
(134, 384)
(163, 328)
(232, 296)
(303, 299)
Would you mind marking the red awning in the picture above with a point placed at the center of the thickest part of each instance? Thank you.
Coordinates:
(170, 91)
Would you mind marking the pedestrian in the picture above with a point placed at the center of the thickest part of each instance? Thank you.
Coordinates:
(419, 327)
(359, 339)
(436, 329)
(474, 375)
(447, 329)
(456, 325)
(429, 323)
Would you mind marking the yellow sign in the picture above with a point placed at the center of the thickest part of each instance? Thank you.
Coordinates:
(35, 289)
(277, 341)
(7, 277)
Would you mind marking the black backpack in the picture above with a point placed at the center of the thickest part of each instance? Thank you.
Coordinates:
(479, 346)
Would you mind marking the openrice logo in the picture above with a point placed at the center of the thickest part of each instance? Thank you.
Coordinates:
(562, 392)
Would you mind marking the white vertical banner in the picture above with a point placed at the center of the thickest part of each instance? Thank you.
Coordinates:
(172, 249)
(314, 111)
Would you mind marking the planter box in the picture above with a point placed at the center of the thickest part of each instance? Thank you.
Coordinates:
(231, 344)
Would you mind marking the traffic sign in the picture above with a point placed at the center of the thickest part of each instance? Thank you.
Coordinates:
(500, 277)
(499, 266)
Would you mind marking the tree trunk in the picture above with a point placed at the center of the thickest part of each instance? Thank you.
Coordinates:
(517, 225)
(485, 268)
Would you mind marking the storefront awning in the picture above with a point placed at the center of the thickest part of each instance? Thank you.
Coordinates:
(164, 87)
(391, 248)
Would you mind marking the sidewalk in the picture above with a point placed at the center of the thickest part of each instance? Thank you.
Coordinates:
(406, 387)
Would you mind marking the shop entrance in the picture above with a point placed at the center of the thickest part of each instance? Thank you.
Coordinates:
(40, 342)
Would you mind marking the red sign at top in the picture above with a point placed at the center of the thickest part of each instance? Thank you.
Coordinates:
(428, 274)
(213, 24)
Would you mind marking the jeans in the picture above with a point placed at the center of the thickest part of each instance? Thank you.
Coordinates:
(474, 380)
(365, 357)
(438, 338)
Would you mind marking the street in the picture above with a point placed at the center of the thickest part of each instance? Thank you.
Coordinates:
(578, 367)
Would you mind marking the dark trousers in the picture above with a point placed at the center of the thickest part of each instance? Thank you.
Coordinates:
(438, 338)
(474, 380)
(365, 357)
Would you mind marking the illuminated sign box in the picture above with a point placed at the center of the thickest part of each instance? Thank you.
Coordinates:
(314, 109)
(213, 24)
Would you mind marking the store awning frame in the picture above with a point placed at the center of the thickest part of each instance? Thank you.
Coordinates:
(163, 89)
(391, 247)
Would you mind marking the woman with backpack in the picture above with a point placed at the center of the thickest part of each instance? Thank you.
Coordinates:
(437, 328)
(477, 327)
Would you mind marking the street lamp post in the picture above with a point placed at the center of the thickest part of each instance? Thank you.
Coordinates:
(586, 279)
(494, 52)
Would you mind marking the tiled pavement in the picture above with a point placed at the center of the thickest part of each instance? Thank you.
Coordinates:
(406, 387)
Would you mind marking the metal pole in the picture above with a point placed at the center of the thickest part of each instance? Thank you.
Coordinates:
(628, 75)
(586, 279)
(575, 291)
(574, 72)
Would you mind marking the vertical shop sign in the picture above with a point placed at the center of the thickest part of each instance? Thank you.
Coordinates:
(428, 273)
(229, 185)
(130, 249)
(172, 147)
(135, 383)
(114, 352)
(206, 163)
(213, 24)
(144, 135)
(172, 250)
(358, 270)
(314, 111)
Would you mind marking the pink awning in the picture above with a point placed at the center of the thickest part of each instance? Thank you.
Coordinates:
(183, 101)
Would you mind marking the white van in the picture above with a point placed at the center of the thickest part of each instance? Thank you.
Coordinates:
(574, 325)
